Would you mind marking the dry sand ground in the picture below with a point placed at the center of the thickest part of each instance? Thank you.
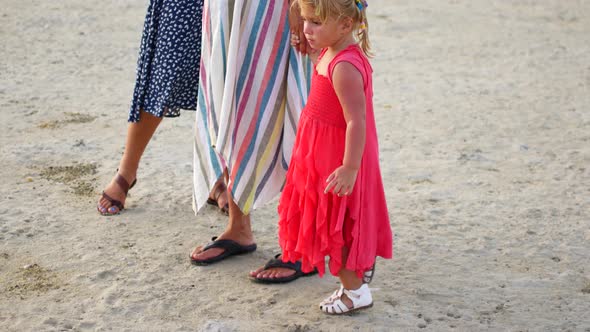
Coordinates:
(484, 121)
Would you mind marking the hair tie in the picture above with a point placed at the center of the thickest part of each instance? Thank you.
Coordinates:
(361, 4)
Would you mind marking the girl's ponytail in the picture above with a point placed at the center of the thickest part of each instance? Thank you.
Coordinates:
(363, 27)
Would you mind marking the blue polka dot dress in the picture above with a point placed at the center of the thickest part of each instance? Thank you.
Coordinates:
(169, 58)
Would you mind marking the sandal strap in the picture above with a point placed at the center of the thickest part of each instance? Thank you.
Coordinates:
(340, 307)
(356, 295)
(123, 184)
(353, 295)
(336, 307)
(113, 201)
(368, 274)
(335, 296)
(222, 244)
(361, 298)
(278, 263)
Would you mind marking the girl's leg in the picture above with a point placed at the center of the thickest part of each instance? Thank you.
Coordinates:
(352, 295)
(351, 284)
(348, 278)
(138, 137)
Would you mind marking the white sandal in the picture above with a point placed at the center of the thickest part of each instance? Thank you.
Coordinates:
(335, 296)
(361, 299)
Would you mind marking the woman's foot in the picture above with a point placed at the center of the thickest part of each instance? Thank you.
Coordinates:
(238, 230)
(113, 197)
(218, 196)
(269, 273)
(244, 239)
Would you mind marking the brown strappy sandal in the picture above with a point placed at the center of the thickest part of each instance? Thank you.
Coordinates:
(218, 190)
(124, 185)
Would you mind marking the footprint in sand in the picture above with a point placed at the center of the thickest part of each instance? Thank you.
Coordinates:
(426, 321)
(29, 280)
(79, 177)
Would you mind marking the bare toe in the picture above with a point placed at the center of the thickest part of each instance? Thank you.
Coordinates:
(255, 273)
(198, 250)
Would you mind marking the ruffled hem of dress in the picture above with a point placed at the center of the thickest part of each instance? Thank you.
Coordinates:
(157, 110)
(311, 224)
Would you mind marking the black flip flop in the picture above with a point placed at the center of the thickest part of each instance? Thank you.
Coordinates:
(230, 247)
(278, 263)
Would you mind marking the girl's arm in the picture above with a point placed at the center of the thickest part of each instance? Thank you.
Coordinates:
(349, 86)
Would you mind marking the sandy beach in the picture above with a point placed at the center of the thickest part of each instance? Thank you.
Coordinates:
(483, 113)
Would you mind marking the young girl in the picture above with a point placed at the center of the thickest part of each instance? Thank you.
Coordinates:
(333, 203)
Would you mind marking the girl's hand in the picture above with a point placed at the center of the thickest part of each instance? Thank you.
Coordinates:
(341, 181)
(295, 41)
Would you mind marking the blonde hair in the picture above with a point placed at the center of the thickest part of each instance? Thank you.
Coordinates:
(337, 9)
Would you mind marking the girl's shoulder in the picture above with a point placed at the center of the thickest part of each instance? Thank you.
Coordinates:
(354, 55)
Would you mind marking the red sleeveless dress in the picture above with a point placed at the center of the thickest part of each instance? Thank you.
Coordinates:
(313, 225)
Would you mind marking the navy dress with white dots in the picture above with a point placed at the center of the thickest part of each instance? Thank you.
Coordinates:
(169, 58)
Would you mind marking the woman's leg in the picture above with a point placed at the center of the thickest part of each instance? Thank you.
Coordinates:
(138, 137)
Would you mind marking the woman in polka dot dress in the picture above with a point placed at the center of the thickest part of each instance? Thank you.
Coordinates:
(167, 81)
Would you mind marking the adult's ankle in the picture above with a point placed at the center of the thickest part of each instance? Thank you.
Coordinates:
(128, 173)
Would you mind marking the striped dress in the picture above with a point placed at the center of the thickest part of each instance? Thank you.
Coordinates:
(252, 88)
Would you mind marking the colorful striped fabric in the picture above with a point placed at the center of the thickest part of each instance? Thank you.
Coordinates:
(252, 88)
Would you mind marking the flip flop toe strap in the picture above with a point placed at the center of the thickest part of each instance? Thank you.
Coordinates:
(277, 263)
(228, 245)
(113, 201)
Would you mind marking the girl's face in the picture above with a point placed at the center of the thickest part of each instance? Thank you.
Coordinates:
(321, 34)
